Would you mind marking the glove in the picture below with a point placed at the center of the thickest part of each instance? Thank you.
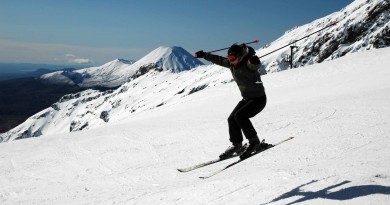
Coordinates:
(200, 54)
(254, 60)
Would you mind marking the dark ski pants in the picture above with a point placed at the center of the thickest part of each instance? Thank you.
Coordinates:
(239, 119)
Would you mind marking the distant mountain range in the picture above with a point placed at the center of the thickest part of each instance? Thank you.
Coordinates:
(119, 71)
(26, 96)
(22, 70)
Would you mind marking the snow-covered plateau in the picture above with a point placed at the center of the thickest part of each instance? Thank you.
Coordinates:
(338, 111)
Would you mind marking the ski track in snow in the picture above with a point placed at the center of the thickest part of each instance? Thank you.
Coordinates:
(337, 111)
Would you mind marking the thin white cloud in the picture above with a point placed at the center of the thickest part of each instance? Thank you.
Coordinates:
(73, 59)
(70, 56)
(80, 61)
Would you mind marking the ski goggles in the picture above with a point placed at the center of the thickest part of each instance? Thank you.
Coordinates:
(231, 58)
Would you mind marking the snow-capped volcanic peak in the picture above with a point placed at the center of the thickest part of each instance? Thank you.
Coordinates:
(120, 71)
(174, 59)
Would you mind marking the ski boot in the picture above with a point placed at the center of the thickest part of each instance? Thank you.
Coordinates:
(230, 151)
(254, 146)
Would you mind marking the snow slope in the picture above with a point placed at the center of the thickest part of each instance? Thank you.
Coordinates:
(115, 73)
(362, 25)
(111, 74)
(338, 111)
(92, 108)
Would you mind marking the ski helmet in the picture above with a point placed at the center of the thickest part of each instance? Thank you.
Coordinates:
(235, 50)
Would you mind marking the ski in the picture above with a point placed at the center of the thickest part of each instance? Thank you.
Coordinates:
(240, 160)
(197, 166)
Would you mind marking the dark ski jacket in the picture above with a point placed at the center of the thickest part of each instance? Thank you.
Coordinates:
(245, 74)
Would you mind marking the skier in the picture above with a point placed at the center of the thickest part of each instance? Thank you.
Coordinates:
(244, 66)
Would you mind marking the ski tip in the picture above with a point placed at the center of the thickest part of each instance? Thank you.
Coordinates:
(181, 170)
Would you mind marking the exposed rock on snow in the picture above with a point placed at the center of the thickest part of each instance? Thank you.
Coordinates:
(362, 25)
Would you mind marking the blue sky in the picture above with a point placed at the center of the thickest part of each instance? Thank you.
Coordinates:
(95, 32)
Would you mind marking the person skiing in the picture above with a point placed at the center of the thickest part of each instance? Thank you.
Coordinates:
(244, 66)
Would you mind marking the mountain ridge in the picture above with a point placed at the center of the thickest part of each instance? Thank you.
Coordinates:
(119, 71)
(361, 25)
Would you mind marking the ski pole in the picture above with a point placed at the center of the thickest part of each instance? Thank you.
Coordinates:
(332, 24)
(255, 41)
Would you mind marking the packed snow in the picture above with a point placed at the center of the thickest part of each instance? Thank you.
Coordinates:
(338, 111)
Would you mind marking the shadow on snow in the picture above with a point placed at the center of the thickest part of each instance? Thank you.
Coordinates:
(341, 195)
